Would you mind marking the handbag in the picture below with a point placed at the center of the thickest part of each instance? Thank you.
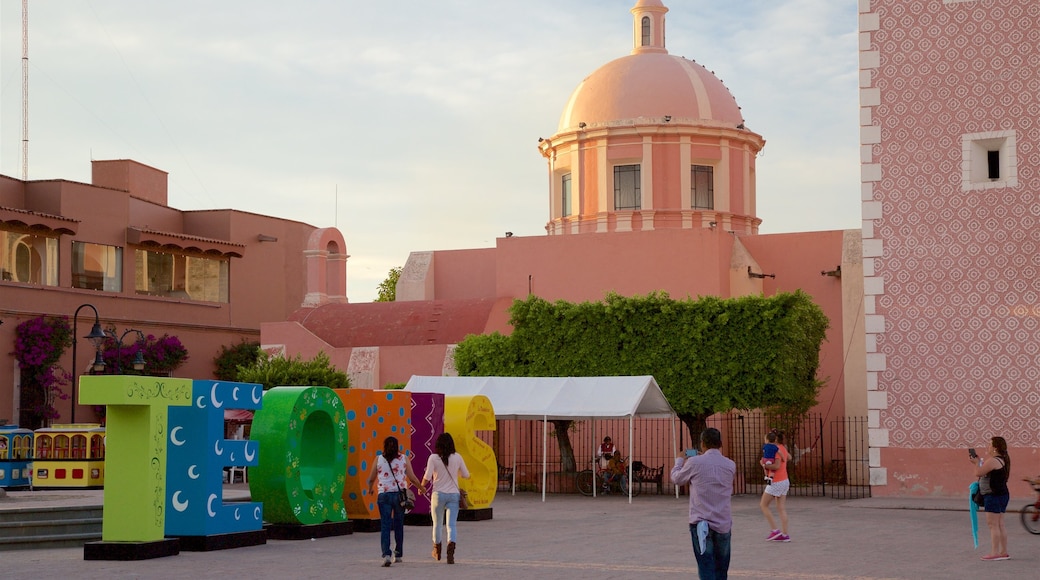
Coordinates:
(463, 494)
(406, 498)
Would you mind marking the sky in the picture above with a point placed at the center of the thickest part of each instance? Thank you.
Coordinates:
(409, 125)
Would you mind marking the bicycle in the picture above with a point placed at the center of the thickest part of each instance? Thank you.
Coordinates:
(604, 480)
(1031, 512)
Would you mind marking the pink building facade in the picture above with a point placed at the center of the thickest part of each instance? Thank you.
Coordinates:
(950, 133)
(210, 278)
(652, 187)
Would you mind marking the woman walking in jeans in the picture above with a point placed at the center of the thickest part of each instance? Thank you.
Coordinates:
(444, 469)
(394, 472)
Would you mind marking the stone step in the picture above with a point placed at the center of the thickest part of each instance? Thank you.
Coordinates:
(48, 541)
(58, 527)
(50, 527)
(49, 513)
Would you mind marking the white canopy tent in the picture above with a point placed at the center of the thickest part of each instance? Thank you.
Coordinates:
(556, 398)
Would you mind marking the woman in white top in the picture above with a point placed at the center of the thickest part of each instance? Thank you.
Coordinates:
(444, 469)
(394, 472)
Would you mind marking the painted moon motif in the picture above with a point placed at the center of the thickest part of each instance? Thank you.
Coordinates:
(256, 513)
(213, 397)
(173, 436)
(209, 505)
(257, 394)
(177, 504)
(234, 393)
(192, 473)
(250, 454)
(232, 457)
(217, 448)
(238, 514)
(201, 402)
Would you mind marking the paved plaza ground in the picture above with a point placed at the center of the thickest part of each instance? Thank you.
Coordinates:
(575, 537)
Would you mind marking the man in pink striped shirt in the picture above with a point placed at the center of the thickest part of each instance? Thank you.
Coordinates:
(710, 476)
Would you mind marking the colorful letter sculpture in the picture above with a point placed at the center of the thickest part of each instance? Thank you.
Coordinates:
(197, 454)
(135, 462)
(464, 415)
(373, 416)
(427, 424)
(302, 433)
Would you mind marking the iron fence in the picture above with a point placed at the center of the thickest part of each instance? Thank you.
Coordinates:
(829, 456)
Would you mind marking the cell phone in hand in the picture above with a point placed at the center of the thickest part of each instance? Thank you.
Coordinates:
(972, 454)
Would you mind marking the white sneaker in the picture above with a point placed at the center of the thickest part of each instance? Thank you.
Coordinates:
(386, 561)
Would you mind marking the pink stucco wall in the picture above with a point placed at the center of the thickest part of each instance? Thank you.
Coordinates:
(950, 258)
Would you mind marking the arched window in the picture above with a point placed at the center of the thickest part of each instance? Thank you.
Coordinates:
(97, 446)
(79, 447)
(646, 31)
(3, 447)
(43, 446)
(61, 447)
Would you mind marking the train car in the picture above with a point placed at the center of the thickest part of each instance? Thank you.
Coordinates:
(69, 456)
(16, 449)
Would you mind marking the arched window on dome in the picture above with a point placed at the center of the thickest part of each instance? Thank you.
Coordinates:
(646, 31)
(702, 186)
(627, 193)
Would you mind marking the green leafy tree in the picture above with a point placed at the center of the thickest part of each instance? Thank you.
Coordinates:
(272, 371)
(709, 355)
(243, 354)
(388, 288)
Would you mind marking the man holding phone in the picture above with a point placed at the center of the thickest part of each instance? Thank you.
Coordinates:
(710, 476)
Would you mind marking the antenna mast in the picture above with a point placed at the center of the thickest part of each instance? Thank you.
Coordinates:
(25, 90)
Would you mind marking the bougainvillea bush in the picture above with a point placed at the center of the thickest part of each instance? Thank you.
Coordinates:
(38, 345)
(162, 355)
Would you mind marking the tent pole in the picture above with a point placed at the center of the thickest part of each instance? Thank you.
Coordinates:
(675, 452)
(595, 460)
(516, 443)
(631, 431)
(545, 436)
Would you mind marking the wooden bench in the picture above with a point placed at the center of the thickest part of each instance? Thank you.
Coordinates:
(642, 473)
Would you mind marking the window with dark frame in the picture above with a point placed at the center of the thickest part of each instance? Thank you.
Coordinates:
(702, 187)
(627, 193)
(993, 164)
(565, 208)
(646, 31)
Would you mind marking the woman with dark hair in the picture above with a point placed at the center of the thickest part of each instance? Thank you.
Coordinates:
(997, 468)
(444, 469)
(393, 471)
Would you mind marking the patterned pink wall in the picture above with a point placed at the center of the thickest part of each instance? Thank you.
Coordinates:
(951, 261)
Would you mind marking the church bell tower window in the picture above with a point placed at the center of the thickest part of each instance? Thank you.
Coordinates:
(702, 186)
(626, 187)
(645, 31)
(565, 202)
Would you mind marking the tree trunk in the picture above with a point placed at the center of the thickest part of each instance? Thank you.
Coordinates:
(695, 424)
(563, 437)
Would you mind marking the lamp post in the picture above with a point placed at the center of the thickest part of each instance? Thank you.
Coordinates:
(138, 362)
(96, 336)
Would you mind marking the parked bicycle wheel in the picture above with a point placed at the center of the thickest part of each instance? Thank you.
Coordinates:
(584, 481)
(1031, 518)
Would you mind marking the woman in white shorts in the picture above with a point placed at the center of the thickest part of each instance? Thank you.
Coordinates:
(778, 491)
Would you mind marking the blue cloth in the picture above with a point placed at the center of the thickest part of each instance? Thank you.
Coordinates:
(996, 504)
(713, 560)
(973, 512)
(702, 533)
(391, 518)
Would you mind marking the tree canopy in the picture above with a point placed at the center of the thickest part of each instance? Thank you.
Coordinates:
(388, 288)
(709, 355)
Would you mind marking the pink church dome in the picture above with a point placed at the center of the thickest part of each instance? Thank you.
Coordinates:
(651, 85)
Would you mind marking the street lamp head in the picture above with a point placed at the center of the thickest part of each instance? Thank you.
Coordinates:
(139, 361)
(99, 362)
